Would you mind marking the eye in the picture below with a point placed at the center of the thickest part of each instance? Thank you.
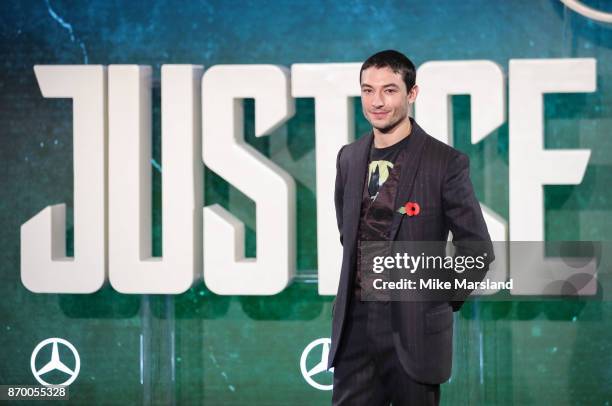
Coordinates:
(367, 91)
(390, 91)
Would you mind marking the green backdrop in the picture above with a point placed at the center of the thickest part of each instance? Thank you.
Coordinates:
(200, 348)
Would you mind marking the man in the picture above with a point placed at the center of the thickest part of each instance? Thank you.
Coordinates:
(396, 351)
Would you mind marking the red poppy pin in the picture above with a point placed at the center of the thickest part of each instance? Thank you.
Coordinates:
(410, 209)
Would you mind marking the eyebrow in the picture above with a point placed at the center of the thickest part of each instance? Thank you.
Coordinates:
(384, 86)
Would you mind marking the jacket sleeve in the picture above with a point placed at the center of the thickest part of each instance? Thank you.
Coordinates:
(465, 220)
(339, 194)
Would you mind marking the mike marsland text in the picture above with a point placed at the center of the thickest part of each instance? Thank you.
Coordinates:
(437, 284)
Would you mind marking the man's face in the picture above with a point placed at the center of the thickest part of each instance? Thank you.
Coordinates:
(384, 98)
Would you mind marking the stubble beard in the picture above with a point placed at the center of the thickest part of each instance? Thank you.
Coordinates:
(391, 126)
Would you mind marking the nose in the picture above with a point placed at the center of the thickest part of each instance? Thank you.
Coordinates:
(377, 101)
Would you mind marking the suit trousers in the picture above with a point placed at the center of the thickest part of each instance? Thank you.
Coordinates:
(367, 370)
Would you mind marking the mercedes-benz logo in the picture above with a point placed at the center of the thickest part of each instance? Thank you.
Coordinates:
(321, 365)
(55, 363)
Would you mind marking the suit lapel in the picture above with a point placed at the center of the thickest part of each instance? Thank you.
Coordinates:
(409, 168)
(355, 184)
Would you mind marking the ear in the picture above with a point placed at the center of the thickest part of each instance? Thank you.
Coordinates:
(412, 95)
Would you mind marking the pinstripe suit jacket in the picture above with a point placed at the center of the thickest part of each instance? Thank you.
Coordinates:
(437, 177)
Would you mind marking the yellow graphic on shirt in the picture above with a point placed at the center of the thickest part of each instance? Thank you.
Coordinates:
(380, 171)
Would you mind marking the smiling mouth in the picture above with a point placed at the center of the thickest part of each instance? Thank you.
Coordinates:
(380, 114)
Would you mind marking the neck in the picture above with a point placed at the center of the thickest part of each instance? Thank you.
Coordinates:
(383, 139)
